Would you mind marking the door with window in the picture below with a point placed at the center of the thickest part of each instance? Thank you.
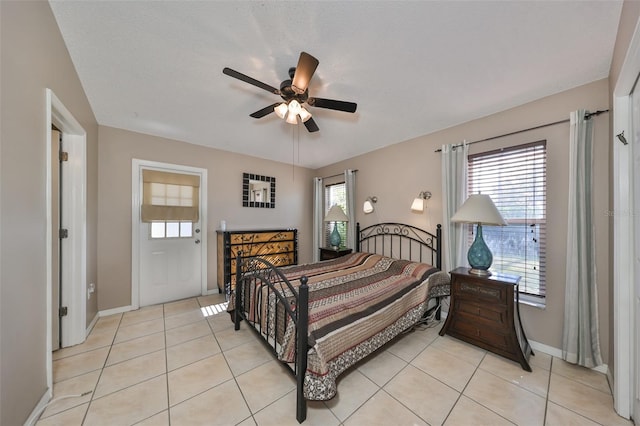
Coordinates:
(170, 236)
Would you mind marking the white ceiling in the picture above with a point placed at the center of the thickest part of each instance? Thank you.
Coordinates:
(413, 67)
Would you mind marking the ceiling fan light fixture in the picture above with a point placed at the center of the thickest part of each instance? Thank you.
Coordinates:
(281, 110)
(294, 107)
(304, 114)
(292, 118)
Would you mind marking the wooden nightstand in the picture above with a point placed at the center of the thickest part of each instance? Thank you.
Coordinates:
(327, 253)
(484, 311)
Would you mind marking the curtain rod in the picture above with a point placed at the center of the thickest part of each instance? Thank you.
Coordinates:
(587, 116)
(339, 174)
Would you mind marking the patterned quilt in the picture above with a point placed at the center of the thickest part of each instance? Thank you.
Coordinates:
(357, 303)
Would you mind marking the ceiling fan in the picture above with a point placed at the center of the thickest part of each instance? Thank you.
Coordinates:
(295, 93)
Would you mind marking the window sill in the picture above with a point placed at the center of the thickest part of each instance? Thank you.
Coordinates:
(535, 301)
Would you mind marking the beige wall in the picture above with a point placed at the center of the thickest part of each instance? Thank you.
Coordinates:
(33, 58)
(117, 149)
(397, 173)
(628, 21)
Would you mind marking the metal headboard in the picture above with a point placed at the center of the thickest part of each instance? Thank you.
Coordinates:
(401, 241)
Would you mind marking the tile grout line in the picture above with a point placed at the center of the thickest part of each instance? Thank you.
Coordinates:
(381, 388)
(93, 392)
(231, 371)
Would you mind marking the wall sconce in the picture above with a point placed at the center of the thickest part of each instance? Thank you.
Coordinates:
(367, 207)
(418, 202)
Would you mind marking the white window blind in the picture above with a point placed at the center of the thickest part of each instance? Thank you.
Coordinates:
(516, 180)
(169, 196)
(335, 194)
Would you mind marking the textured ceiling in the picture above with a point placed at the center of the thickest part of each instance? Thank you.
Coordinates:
(412, 67)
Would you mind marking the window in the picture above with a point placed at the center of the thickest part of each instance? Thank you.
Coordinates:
(171, 229)
(170, 203)
(335, 194)
(516, 180)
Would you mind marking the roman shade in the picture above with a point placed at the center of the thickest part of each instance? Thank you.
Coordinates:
(170, 196)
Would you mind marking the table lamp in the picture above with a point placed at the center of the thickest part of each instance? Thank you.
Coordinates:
(479, 209)
(335, 215)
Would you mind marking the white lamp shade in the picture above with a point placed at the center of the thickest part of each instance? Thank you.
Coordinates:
(294, 107)
(479, 209)
(304, 114)
(292, 118)
(417, 205)
(336, 214)
(367, 207)
(281, 110)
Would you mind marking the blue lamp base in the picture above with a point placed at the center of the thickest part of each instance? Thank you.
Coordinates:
(334, 239)
(479, 255)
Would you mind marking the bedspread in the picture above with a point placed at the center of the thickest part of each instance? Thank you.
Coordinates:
(357, 303)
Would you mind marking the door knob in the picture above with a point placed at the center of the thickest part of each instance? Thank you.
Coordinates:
(197, 231)
(197, 241)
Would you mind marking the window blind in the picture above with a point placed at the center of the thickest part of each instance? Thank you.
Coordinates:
(516, 180)
(169, 196)
(335, 194)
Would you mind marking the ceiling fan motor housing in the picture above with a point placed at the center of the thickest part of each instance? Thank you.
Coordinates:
(288, 93)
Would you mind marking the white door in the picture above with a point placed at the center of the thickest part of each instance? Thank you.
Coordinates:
(170, 259)
(56, 335)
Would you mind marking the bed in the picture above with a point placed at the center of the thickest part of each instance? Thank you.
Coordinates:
(322, 318)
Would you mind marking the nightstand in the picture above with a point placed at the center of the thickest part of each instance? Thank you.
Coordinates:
(327, 253)
(484, 311)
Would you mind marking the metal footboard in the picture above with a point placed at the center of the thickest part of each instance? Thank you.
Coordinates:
(258, 280)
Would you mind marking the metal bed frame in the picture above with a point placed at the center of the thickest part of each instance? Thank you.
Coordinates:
(388, 239)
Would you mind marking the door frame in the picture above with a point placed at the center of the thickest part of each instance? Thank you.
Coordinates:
(74, 203)
(137, 165)
(625, 227)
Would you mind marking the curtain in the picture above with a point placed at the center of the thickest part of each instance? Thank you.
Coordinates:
(454, 188)
(581, 340)
(350, 187)
(318, 217)
(169, 196)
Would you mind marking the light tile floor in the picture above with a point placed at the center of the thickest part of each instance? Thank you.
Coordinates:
(177, 364)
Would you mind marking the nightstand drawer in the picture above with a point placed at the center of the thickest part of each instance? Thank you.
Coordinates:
(480, 335)
(495, 316)
(475, 290)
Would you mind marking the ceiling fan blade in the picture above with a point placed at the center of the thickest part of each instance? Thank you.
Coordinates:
(311, 125)
(265, 111)
(307, 65)
(333, 104)
(247, 79)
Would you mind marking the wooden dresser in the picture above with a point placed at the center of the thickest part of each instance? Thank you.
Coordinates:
(484, 311)
(278, 246)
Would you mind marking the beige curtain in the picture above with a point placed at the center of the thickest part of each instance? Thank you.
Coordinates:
(581, 333)
(170, 196)
(454, 190)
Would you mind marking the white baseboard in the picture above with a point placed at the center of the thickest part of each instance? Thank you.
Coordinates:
(93, 323)
(42, 404)
(114, 311)
(556, 352)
